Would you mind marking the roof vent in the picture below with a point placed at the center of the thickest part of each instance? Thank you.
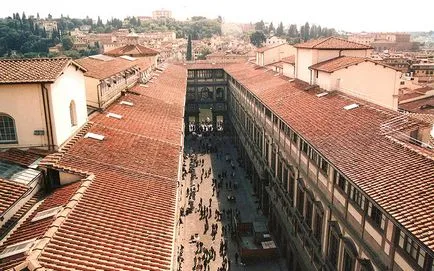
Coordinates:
(127, 103)
(94, 136)
(46, 213)
(17, 248)
(113, 115)
(322, 94)
(351, 106)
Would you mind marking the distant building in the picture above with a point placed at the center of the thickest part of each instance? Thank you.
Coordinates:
(385, 41)
(107, 77)
(423, 71)
(161, 14)
(272, 41)
(272, 54)
(42, 102)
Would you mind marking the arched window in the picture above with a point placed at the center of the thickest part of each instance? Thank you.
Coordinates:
(8, 133)
(350, 255)
(73, 113)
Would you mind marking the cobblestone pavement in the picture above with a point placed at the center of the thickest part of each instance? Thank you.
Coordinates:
(192, 224)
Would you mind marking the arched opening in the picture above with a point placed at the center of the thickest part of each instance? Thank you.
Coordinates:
(350, 255)
(73, 113)
(8, 133)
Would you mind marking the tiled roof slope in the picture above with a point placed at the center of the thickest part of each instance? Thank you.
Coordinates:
(424, 106)
(266, 48)
(289, 59)
(331, 43)
(126, 218)
(132, 50)
(10, 192)
(29, 230)
(400, 180)
(337, 63)
(100, 69)
(34, 70)
(341, 62)
(24, 158)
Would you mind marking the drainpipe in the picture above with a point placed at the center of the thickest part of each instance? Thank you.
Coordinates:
(47, 115)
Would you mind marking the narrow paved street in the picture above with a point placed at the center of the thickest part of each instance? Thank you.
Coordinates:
(214, 190)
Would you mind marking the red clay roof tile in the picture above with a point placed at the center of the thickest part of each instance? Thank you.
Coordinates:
(34, 70)
(391, 174)
(331, 43)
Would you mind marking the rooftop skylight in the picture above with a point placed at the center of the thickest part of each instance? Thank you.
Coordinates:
(94, 136)
(322, 94)
(46, 213)
(351, 106)
(126, 103)
(128, 58)
(17, 248)
(113, 115)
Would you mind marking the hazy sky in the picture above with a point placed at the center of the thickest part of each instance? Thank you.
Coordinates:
(349, 15)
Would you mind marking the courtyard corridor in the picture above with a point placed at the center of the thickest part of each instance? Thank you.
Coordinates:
(214, 191)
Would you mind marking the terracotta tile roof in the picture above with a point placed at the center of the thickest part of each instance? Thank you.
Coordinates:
(341, 62)
(132, 50)
(126, 218)
(418, 92)
(395, 175)
(424, 106)
(34, 70)
(208, 64)
(100, 69)
(289, 59)
(24, 158)
(266, 48)
(331, 43)
(337, 63)
(29, 230)
(10, 192)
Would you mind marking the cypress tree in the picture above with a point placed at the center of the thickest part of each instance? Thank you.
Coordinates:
(189, 49)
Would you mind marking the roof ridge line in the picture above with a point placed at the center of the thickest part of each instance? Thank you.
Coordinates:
(32, 261)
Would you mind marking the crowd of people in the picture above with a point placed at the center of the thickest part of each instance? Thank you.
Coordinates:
(208, 190)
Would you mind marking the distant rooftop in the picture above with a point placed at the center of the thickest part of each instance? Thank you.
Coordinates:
(331, 43)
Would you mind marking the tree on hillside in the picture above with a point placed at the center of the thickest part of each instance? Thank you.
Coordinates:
(260, 26)
(279, 30)
(271, 29)
(293, 31)
(257, 38)
(306, 31)
(189, 55)
(67, 43)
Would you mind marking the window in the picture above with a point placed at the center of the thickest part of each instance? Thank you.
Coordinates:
(72, 113)
(356, 197)
(47, 213)
(376, 216)
(190, 74)
(206, 94)
(333, 249)
(273, 160)
(309, 211)
(300, 199)
(340, 181)
(7, 129)
(285, 178)
(219, 73)
(294, 137)
(350, 255)
(268, 113)
(318, 222)
(324, 166)
(411, 248)
(219, 92)
(304, 146)
(17, 248)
